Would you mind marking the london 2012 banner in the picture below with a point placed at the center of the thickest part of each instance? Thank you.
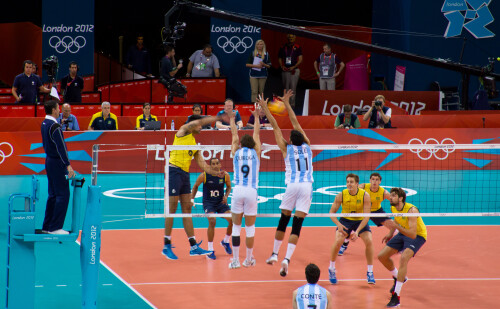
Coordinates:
(232, 43)
(68, 34)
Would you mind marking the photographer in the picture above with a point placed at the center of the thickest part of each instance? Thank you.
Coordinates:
(168, 65)
(67, 120)
(72, 85)
(379, 114)
(26, 85)
(347, 120)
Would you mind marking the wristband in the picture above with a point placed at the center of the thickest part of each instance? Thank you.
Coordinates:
(192, 200)
(317, 72)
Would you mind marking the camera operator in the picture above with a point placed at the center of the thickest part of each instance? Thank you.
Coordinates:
(168, 65)
(347, 120)
(379, 114)
(72, 85)
(67, 120)
(26, 85)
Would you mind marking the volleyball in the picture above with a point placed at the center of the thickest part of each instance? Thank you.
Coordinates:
(277, 107)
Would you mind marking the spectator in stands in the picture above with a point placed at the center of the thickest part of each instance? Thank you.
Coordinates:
(228, 106)
(26, 85)
(104, 120)
(168, 65)
(72, 85)
(146, 116)
(264, 123)
(203, 63)
(379, 114)
(138, 58)
(258, 62)
(67, 120)
(347, 120)
(290, 58)
(197, 111)
(330, 66)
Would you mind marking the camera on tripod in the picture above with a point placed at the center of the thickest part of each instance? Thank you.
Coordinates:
(51, 66)
(174, 87)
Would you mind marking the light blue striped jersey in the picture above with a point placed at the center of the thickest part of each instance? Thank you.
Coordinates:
(311, 296)
(298, 164)
(246, 168)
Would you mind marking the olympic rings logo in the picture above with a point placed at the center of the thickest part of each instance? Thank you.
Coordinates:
(433, 152)
(234, 44)
(67, 43)
(2, 153)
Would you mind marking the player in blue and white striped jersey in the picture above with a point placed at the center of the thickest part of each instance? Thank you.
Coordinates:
(246, 163)
(298, 178)
(312, 295)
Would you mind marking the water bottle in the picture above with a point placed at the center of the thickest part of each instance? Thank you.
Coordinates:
(172, 125)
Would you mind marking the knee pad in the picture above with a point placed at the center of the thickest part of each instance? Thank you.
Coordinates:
(297, 225)
(283, 223)
(236, 230)
(236, 241)
(250, 230)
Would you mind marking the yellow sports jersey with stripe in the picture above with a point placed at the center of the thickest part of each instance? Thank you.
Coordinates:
(353, 203)
(183, 158)
(376, 198)
(403, 221)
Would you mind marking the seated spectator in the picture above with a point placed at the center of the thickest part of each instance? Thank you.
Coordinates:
(197, 110)
(228, 106)
(262, 119)
(203, 63)
(347, 120)
(67, 120)
(146, 116)
(104, 120)
(379, 114)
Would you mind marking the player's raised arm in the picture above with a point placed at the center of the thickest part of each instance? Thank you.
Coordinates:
(280, 141)
(192, 125)
(235, 142)
(256, 130)
(291, 114)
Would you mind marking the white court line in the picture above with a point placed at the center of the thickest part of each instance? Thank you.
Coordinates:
(281, 281)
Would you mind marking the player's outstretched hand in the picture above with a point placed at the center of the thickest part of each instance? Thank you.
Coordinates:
(286, 96)
(261, 101)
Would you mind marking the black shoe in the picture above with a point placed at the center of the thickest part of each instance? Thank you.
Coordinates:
(394, 285)
(394, 302)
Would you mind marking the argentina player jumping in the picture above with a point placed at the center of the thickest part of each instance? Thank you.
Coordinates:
(298, 179)
(246, 163)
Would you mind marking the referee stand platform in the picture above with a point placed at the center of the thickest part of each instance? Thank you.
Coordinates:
(22, 237)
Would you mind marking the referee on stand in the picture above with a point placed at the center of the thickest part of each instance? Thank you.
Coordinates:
(57, 166)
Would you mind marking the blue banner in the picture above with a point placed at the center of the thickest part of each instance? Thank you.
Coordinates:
(232, 44)
(68, 34)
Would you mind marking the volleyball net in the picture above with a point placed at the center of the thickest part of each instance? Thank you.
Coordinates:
(441, 179)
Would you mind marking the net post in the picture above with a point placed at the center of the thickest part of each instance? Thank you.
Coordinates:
(95, 151)
(166, 204)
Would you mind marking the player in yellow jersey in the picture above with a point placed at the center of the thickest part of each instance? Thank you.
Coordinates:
(411, 237)
(179, 184)
(352, 200)
(377, 196)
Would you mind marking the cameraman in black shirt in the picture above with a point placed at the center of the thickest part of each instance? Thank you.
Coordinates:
(72, 85)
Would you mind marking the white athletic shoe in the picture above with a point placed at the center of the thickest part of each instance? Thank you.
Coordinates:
(234, 264)
(273, 259)
(284, 268)
(59, 232)
(250, 263)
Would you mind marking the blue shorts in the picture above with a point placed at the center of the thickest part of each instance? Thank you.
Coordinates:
(352, 226)
(400, 242)
(178, 181)
(215, 208)
(379, 220)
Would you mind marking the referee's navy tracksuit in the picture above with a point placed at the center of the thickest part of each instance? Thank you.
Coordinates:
(56, 163)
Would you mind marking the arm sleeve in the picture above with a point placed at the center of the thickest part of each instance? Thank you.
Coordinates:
(16, 82)
(216, 63)
(193, 58)
(337, 121)
(113, 116)
(38, 82)
(389, 112)
(250, 58)
(299, 51)
(92, 120)
(138, 122)
(81, 83)
(58, 139)
(251, 120)
(237, 117)
(357, 124)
